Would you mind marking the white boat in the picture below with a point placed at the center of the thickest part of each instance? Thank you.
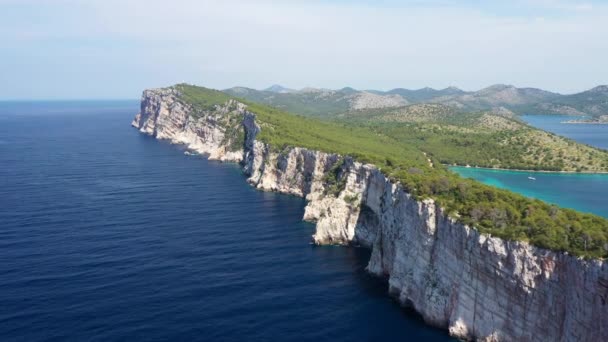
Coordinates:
(531, 178)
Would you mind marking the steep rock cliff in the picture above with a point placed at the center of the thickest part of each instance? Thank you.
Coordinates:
(213, 132)
(474, 285)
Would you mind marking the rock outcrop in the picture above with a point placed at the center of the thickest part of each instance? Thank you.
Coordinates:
(367, 100)
(212, 132)
(474, 285)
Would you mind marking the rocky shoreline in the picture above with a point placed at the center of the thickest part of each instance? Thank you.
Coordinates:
(475, 286)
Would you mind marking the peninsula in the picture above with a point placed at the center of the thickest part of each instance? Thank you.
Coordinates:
(481, 262)
(600, 120)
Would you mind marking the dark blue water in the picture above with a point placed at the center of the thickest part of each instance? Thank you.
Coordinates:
(106, 234)
(583, 192)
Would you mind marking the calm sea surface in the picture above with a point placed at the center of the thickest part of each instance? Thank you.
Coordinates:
(106, 235)
(594, 135)
(583, 192)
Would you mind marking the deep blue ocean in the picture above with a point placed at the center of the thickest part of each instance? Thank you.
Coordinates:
(583, 192)
(110, 235)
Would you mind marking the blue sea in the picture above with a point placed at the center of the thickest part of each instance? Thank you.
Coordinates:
(590, 134)
(583, 192)
(110, 235)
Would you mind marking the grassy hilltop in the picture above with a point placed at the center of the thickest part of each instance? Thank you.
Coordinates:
(457, 127)
(491, 210)
(482, 139)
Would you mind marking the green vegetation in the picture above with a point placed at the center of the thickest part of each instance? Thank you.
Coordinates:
(333, 182)
(526, 149)
(511, 216)
(479, 139)
(311, 103)
(493, 211)
(204, 99)
(234, 137)
(201, 98)
(593, 102)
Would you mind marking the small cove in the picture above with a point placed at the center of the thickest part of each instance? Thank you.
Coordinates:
(583, 192)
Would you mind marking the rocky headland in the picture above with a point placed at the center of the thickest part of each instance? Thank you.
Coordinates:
(476, 286)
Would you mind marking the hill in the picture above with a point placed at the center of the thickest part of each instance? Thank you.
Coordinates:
(491, 210)
(482, 139)
(454, 133)
(319, 102)
(496, 98)
(276, 88)
(424, 94)
(592, 102)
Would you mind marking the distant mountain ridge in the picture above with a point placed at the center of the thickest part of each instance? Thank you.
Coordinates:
(276, 88)
(501, 98)
(318, 102)
(425, 94)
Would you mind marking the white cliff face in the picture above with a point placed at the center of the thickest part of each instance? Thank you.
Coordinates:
(163, 116)
(475, 286)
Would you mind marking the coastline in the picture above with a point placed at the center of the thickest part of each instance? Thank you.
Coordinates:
(584, 122)
(457, 278)
(524, 171)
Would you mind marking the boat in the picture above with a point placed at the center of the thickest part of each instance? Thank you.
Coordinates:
(531, 178)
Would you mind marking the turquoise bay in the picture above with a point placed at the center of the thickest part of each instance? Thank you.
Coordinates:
(583, 192)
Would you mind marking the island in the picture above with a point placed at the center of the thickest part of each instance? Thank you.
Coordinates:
(600, 120)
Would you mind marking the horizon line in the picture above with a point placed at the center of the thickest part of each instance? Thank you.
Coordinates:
(286, 87)
(67, 99)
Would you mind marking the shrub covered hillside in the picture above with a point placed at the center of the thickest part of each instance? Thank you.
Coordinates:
(490, 210)
(480, 139)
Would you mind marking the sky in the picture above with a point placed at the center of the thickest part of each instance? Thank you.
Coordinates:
(77, 49)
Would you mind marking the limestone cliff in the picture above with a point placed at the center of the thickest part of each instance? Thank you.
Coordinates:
(476, 286)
